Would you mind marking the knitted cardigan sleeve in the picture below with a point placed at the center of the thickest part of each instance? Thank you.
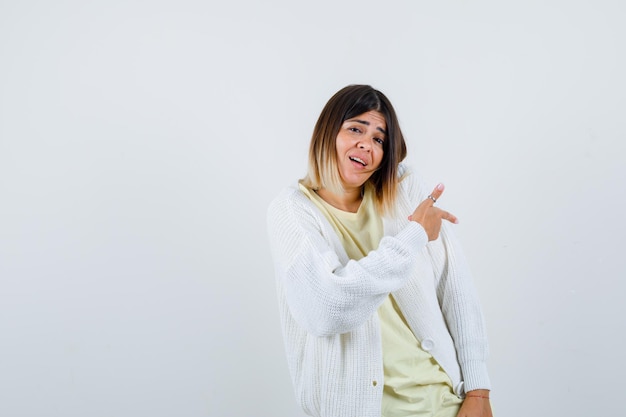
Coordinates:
(461, 308)
(326, 293)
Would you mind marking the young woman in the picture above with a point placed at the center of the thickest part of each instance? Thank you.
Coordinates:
(379, 314)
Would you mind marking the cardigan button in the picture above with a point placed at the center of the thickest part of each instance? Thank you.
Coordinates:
(374, 383)
(428, 344)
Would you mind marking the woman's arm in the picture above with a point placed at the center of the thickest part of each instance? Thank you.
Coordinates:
(325, 296)
(461, 307)
(456, 295)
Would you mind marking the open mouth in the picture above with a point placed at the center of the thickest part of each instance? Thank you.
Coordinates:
(358, 160)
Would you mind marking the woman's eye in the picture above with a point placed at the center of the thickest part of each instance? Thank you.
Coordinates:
(354, 129)
(379, 140)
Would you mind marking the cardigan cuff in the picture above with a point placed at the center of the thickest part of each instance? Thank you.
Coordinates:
(475, 376)
(414, 235)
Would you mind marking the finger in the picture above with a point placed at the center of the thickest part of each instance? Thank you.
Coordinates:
(445, 215)
(436, 193)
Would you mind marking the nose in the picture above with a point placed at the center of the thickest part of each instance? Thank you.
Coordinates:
(365, 145)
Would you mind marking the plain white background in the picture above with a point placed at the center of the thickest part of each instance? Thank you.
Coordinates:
(141, 141)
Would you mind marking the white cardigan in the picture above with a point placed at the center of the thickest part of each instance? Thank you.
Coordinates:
(328, 303)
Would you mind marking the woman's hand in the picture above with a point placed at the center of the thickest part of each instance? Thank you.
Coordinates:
(476, 404)
(430, 217)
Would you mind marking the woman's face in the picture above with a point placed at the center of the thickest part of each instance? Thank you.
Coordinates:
(360, 148)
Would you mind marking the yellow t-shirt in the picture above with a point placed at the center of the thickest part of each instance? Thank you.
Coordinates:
(415, 384)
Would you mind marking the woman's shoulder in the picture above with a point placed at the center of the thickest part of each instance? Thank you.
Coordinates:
(407, 171)
(291, 211)
(410, 180)
(291, 192)
(288, 199)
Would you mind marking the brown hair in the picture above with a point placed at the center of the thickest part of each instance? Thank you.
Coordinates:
(348, 103)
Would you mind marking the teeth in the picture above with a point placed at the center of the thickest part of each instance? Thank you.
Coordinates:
(359, 160)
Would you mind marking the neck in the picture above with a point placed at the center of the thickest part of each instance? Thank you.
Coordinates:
(349, 200)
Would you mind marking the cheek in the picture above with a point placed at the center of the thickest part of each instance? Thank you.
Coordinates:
(339, 145)
(381, 158)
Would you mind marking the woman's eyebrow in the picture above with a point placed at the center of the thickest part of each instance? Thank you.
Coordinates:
(365, 122)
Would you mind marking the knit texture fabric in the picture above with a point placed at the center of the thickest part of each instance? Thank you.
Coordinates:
(328, 303)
